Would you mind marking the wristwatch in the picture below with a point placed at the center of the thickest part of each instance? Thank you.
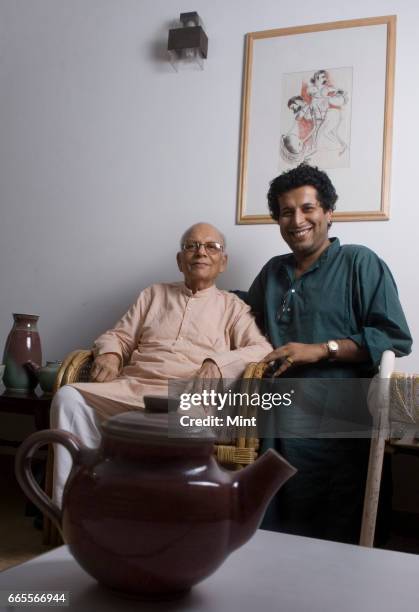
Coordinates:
(333, 348)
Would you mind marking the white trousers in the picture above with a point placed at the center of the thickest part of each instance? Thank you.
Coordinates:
(71, 412)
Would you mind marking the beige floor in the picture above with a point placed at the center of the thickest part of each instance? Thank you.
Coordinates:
(19, 540)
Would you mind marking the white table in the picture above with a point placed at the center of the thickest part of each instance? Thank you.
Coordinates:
(272, 572)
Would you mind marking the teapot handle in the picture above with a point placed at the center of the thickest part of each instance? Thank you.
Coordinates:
(24, 474)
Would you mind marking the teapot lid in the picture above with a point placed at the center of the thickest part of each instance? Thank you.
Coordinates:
(155, 427)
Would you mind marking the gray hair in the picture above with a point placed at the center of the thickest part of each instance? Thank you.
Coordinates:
(186, 232)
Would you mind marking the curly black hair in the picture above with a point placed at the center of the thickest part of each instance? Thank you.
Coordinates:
(302, 175)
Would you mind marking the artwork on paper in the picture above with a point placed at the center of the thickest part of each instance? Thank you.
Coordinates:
(315, 124)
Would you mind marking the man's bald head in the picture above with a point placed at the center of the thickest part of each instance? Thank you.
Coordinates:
(207, 228)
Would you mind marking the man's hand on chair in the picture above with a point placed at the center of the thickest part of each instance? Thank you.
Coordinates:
(209, 369)
(207, 377)
(105, 367)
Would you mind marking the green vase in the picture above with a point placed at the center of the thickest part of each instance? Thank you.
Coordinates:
(47, 375)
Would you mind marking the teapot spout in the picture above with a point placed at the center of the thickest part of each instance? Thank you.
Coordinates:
(33, 367)
(254, 487)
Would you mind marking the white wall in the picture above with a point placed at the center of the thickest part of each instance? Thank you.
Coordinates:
(106, 154)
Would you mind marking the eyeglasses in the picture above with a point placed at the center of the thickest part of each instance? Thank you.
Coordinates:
(285, 304)
(211, 247)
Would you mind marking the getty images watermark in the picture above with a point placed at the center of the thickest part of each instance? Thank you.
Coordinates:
(278, 408)
(210, 400)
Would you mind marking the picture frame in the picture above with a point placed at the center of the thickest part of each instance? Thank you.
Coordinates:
(320, 94)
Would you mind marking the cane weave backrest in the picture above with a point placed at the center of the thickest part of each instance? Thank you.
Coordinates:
(242, 451)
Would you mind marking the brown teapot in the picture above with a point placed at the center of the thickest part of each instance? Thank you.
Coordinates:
(148, 513)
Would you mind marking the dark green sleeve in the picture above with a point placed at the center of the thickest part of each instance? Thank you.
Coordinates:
(378, 310)
(256, 297)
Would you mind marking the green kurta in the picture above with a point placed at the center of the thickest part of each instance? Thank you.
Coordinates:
(348, 292)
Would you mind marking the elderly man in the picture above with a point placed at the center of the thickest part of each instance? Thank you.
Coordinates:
(178, 330)
(330, 311)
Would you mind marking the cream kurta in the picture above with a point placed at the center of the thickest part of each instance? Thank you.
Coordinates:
(167, 334)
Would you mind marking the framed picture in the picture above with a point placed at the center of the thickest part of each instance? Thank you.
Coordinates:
(320, 94)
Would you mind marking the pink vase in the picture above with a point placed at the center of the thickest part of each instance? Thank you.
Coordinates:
(23, 344)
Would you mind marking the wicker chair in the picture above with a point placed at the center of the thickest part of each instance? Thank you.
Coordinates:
(76, 368)
(242, 451)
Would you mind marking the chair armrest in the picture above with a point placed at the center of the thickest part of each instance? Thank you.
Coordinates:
(244, 448)
(75, 368)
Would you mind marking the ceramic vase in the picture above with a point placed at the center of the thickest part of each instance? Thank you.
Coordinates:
(23, 344)
(47, 375)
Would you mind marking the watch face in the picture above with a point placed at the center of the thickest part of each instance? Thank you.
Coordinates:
(333, 346)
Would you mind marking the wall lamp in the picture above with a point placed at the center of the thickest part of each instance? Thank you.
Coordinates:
(188, 43)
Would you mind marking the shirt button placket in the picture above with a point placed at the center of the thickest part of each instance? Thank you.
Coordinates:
(185, 318)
